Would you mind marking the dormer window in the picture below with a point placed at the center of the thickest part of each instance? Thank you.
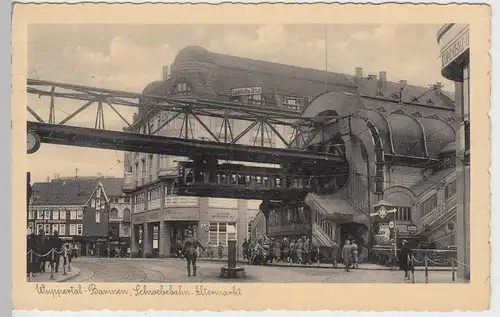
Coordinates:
(292, 103)
(182, 88)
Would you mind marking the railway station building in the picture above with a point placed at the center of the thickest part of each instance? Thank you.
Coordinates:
(400, 154)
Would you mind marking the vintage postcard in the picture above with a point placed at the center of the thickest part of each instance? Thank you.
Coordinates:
(250, 157)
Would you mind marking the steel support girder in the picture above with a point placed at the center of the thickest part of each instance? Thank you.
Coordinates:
(265, 116)
(133, 142)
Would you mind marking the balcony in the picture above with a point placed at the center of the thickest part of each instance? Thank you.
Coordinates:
(440, 212)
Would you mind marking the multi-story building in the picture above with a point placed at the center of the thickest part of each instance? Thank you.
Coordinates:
(160, 218)
(78, 208)
(454, 42)
(120, 210)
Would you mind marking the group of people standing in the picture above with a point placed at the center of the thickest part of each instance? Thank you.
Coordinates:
(45, 251)
(300, 250)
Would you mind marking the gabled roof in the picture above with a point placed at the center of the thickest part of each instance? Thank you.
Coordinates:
(72, 191)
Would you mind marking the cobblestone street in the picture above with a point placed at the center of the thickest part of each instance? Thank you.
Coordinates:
(174, 271)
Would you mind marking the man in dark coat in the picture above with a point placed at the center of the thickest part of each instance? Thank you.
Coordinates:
(56, 244)
(190, 245)
(42, 249)
(405, 258)
(335, 253)
(245, 249)
(32, 258)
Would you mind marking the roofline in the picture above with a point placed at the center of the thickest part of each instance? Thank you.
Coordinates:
(408, 102)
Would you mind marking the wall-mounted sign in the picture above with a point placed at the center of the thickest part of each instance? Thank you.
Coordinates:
(187, 214)
(455, 49)
(44, 221)
(223, 215)
(153, 215)
(60, 207)
(411, 228)
(247, 91)
(139, 217)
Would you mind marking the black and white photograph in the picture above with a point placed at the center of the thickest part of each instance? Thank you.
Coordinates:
(248, 153)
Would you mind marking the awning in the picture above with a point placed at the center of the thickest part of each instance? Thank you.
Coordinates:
(331, 208)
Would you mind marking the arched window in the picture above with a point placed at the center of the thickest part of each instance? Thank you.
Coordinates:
(113, 213)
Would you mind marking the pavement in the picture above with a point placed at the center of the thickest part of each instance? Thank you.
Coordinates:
(128, 270)
(58, 277)
(363, 266)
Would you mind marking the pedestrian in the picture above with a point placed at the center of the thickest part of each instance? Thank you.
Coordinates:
(306, 248)
(335, 252)
(221, 250)
(354, 249)
(405, 258)
(245, 249)
(299, 248)
(346, 255)
(190, 246)
(57, 248)
(43, 249)
(285, 254)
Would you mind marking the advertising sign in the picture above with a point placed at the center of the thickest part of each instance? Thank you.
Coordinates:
(247, 91)
(184, 214)
(455, 49)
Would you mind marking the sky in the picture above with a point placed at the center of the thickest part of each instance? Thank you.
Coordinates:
(128, 57)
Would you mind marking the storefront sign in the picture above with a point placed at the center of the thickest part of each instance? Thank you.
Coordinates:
(50, 221)
(247, 91)
(191, 214)
(223, 215)
(50, 208)
(455, 49)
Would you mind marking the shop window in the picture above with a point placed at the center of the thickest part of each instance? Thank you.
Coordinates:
(47, 229)
(55, 227)
(39, 228)
(221, 232)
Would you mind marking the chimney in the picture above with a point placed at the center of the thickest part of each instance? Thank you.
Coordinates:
(437, 87)
(403, 82)
(359, 72)
(166, 72)
(56, 176)
(382, 80)
(372, 76)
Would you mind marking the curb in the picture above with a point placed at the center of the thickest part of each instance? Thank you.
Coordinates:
(69, 277)
(312, 266)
